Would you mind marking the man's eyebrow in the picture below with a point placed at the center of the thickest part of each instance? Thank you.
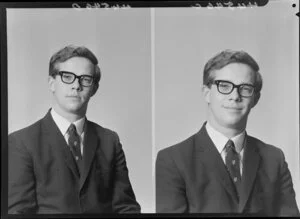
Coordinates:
(76, 74)
(67, 71)
(248, 83)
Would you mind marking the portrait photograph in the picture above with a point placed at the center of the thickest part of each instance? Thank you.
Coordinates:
(185, 40)
(120, 39)
(116, 108)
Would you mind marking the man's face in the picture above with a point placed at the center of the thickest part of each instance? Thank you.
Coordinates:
(230, 110)
(72, 98)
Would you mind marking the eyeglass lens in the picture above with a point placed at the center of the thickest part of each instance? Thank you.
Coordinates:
(226, 87)
(69, 78)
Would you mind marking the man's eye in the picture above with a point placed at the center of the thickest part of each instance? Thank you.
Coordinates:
(86, 79)
(67, 77)
(226, 86)
(247, 88)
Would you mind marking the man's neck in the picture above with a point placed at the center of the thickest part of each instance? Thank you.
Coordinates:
(71, 117)
(229, 132)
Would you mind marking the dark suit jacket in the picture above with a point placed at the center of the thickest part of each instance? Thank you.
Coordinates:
(191, 177)
(43, 177)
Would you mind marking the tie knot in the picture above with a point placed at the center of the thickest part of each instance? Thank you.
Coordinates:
(230, 145)
(72, 129)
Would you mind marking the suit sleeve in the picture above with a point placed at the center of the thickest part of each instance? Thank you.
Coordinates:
(123, 198)
(287, 203)
(21, 180)
(170, 186)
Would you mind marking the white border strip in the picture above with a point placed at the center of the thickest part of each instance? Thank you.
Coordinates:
(152, 15)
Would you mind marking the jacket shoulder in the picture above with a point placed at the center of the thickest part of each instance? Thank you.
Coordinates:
(105, 134)
(181, 149)
(26, 139)
(265, 149)
(102, 130)
(31, 130)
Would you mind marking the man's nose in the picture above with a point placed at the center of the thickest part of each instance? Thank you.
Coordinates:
(235, 95)
(76, 84)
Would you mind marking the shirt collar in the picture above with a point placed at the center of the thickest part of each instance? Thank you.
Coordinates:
(63, 124)
(220, 140)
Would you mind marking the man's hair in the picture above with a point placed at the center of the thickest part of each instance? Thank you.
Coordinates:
(227, 57)
(71, 51)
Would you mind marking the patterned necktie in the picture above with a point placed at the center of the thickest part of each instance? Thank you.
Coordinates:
(232, 161)
(74, 142)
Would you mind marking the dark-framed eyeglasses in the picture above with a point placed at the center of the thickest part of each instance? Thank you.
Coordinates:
(226, 87)
(69, 78)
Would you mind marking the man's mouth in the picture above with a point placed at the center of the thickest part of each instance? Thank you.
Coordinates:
(233, 108)
(73, 96)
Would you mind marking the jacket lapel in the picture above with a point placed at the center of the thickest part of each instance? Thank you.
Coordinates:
(250, 166)
(54, 137)
(210, 157)
(89, 151)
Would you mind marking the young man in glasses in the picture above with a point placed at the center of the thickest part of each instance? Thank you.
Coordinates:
(65, 163)
(221, 169)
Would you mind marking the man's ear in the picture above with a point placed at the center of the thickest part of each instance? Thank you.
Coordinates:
(206, 93)
(51, 82)
(95, 88)
(256, 99)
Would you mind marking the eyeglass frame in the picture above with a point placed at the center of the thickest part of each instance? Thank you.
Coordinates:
(75, 77)
(217, 82)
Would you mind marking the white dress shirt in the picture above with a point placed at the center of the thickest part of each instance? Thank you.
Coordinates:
(63, 125)
(220, 141)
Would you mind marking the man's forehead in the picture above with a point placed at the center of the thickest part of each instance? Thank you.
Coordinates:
(77, 65)
(235, 72)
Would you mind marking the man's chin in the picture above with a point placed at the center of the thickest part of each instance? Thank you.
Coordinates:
(77, 109)
(235, 123)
